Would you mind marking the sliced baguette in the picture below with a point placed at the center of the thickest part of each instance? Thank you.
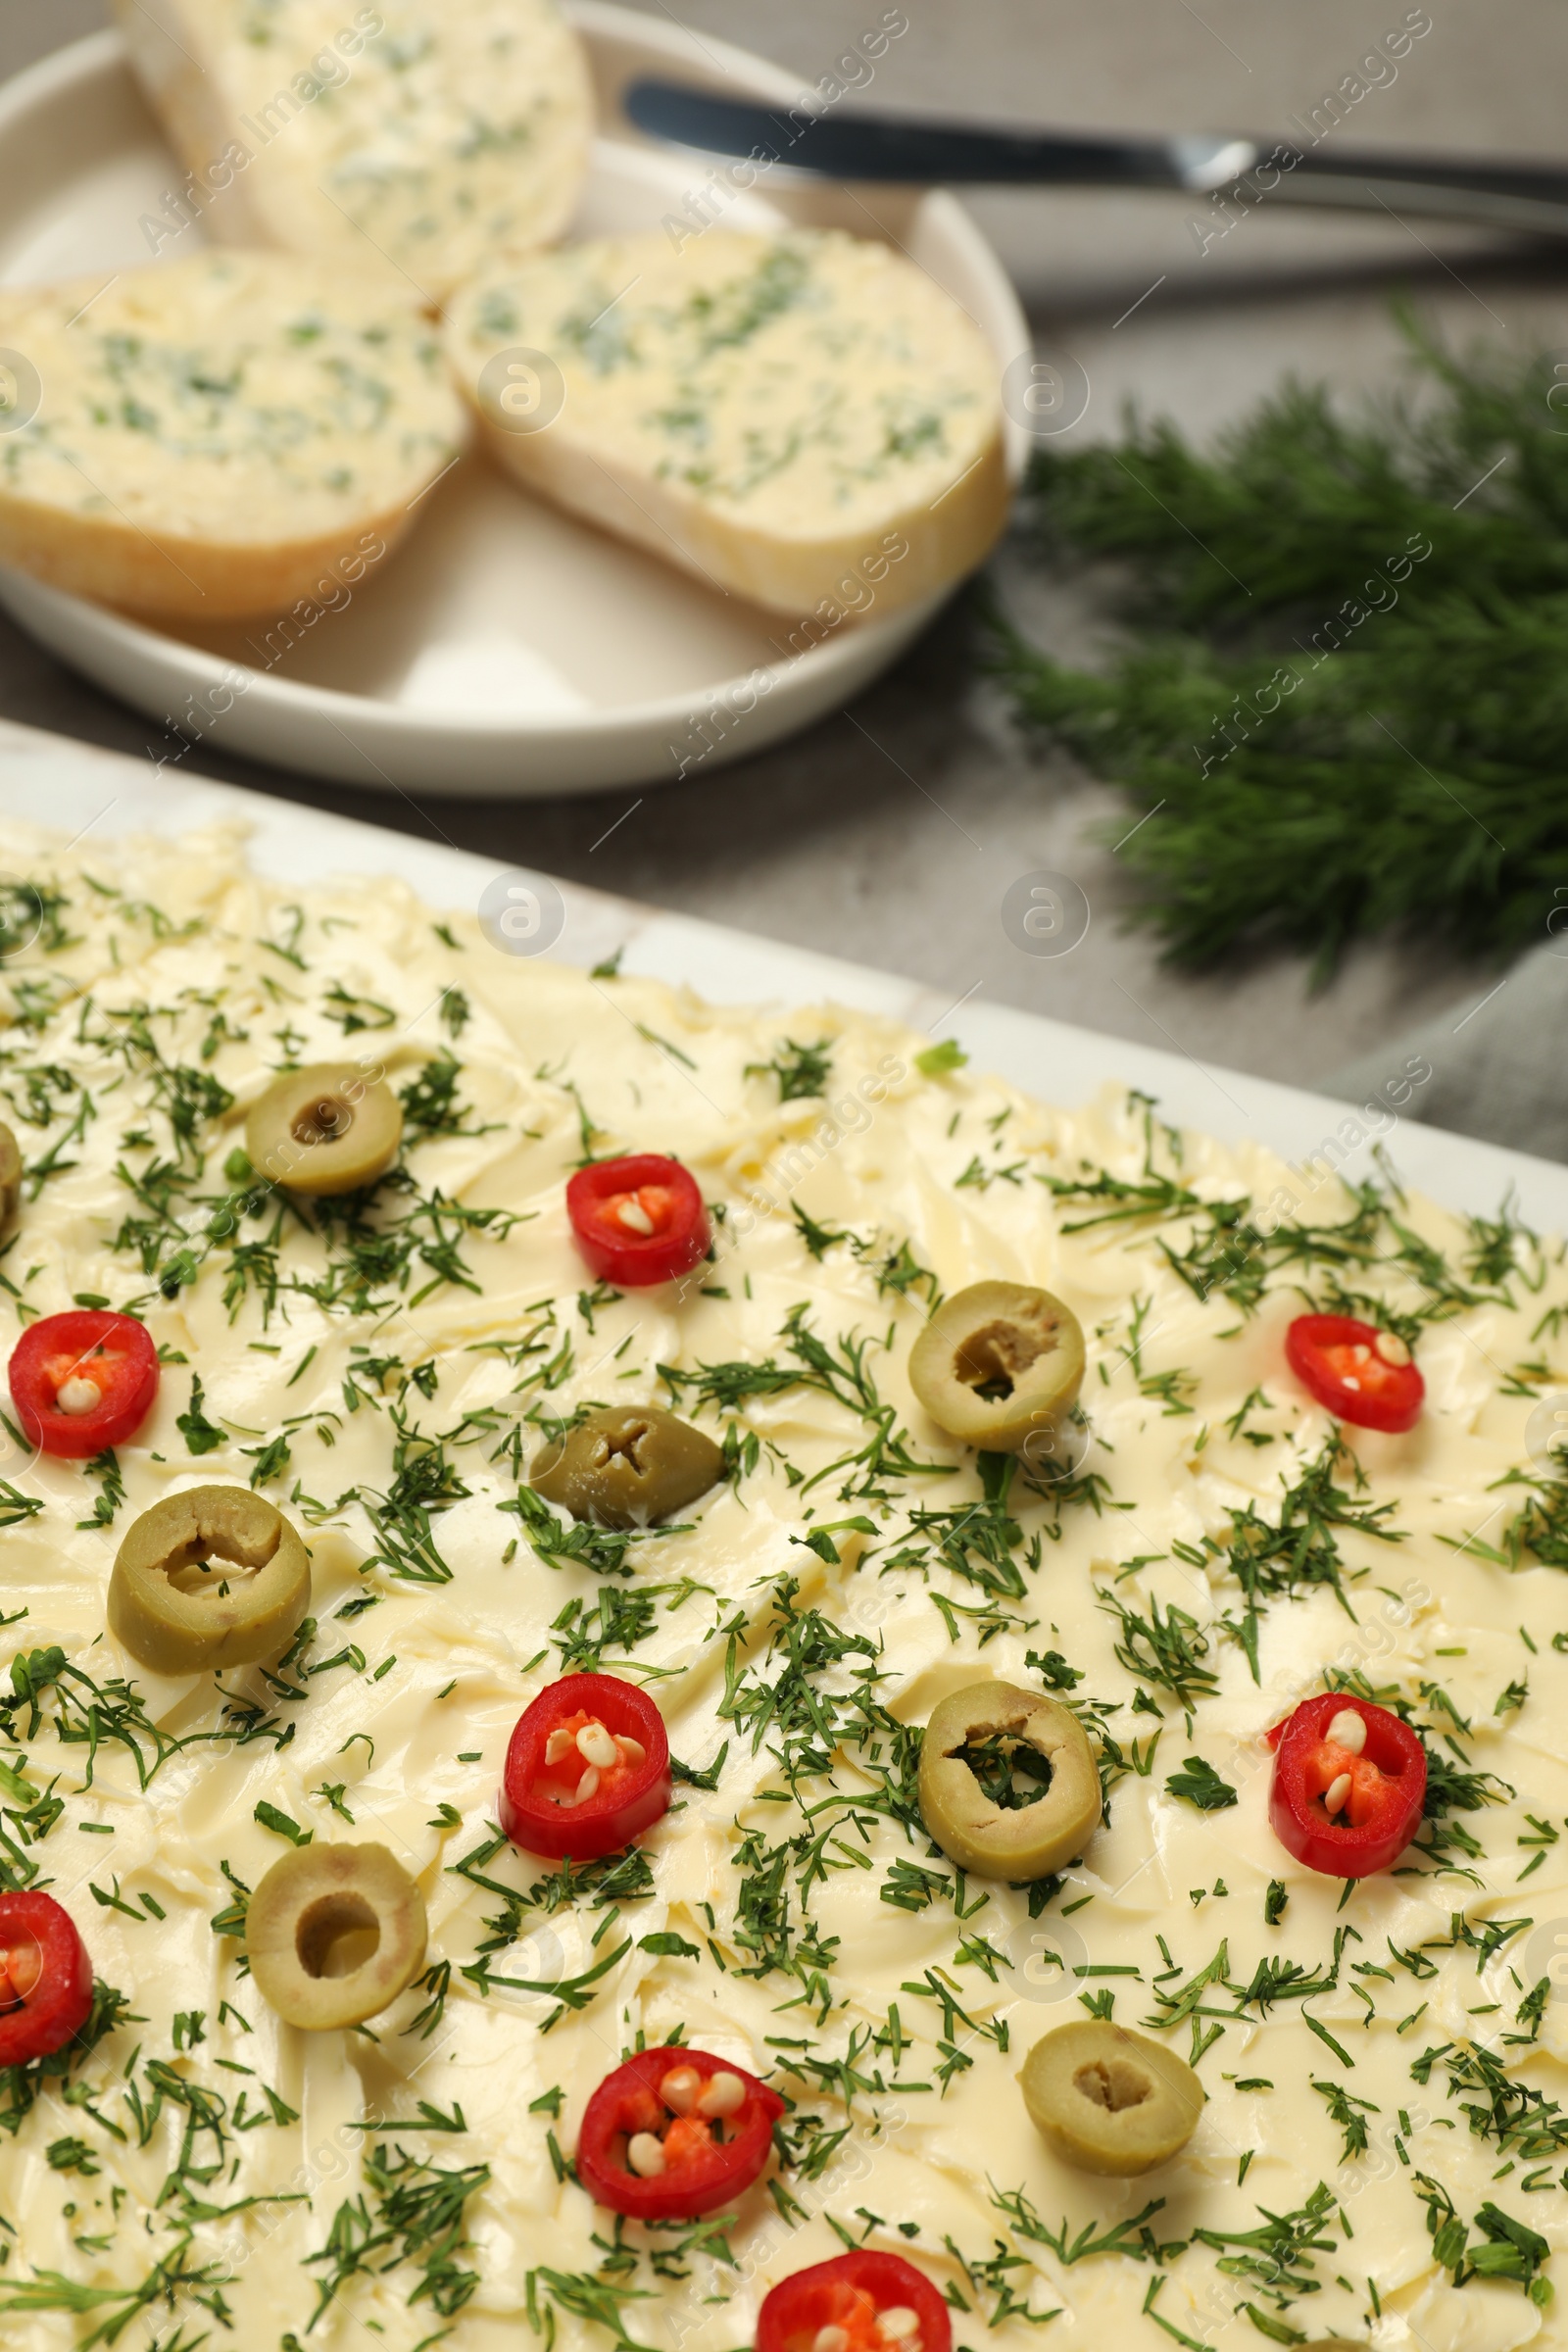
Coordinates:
(213, 434)
(803, 419)
(412, 137)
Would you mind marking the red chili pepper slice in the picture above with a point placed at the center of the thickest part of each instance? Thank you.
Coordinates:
(1359, 1373)
(1343, 1804)
(104, 1368)
(587, 1769)
(876, 2303)
(673, 2133)
(638, 1220)
(45, 1978)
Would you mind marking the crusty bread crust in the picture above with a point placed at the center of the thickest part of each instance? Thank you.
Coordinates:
(914, 550)
(219, 435)
(164, 576)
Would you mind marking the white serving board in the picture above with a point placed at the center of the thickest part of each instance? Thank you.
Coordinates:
(51, 780)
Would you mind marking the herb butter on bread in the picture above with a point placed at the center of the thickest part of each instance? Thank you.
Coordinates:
(771, 412)
(408, 137)
(210, 432)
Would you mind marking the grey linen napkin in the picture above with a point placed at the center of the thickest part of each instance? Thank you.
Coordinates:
(1500, 1070)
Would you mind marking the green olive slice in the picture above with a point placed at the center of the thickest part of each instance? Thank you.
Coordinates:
(334, 1933)
(10, 1175)
(325, 1129)
(999, 1363)
(626, 1466)
(1008, 1788)
(214, 1577)
(1110, 2101)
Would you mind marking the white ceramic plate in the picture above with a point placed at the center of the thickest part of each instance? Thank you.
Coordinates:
(49, 780)
(508, 649)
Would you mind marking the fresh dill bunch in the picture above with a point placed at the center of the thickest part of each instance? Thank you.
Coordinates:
(1342, 688)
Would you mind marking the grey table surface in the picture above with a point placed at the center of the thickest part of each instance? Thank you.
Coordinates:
(894, 840)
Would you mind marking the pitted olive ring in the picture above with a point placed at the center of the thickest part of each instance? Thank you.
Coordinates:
(1013, 1842)
(214, 1577)
(10, 1175)
(334, 1934)
(325, 1129)
(1109, 2101)
(999, 1363)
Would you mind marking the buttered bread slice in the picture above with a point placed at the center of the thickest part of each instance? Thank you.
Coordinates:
(207, 437)
(802, 419)
(416, 137)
